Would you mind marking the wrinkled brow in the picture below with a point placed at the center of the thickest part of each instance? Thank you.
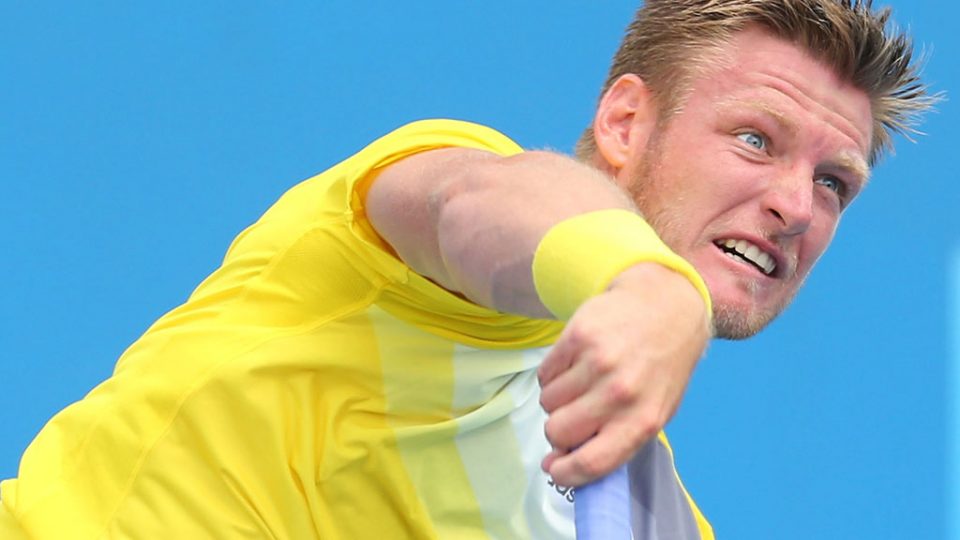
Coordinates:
(736, 105)
(852, 163)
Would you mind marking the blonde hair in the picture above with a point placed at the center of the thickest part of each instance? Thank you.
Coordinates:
(669, 40)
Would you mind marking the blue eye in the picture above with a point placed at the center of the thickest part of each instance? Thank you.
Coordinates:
(753, 139)
(831, 182)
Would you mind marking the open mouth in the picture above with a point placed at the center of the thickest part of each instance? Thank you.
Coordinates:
(748, 253)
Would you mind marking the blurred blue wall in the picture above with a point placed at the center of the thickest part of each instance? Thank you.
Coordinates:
(136, 139)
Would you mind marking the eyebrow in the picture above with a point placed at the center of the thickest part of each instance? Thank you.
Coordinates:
(849, 162)
(854, 164)
(784, 123)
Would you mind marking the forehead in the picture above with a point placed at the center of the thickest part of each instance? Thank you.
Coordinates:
(771, 73)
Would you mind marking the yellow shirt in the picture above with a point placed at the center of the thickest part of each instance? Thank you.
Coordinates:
(312, 387)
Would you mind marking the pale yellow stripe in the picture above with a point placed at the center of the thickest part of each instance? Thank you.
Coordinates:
(418, 384)
(485, 377)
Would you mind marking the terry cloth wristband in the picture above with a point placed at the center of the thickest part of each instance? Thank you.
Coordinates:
(580, 256)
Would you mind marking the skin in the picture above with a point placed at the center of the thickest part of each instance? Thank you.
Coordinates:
(755, 154)
(770, 149)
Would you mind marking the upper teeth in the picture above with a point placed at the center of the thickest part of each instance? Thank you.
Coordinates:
(752, 253)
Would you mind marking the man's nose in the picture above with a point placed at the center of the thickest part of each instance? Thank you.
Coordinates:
(789, 200)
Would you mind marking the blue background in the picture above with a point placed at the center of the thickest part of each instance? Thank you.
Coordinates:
(136, 140)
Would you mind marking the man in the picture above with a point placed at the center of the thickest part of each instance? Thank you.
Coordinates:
(371, 359)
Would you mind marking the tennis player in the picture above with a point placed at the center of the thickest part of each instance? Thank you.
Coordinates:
(440, 336)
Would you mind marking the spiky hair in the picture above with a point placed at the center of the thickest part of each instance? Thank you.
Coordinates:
(668, 40)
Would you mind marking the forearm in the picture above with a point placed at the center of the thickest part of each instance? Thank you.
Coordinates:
(472, 221)
(489, 234)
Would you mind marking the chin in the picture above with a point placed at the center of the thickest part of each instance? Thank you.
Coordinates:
(738, 323)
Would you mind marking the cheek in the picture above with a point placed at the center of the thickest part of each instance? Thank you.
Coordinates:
(817, 240)
(722, 175)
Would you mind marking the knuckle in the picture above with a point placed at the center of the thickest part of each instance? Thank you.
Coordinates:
(648, 424)
(591, 466)
(578, 334)
(622, 391)
(601, 361)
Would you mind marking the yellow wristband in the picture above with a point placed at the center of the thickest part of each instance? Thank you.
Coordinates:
(580, 256)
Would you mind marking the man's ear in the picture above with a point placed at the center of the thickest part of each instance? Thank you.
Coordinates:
(625, 118)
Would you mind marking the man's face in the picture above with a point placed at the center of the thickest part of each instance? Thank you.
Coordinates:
(749, 180)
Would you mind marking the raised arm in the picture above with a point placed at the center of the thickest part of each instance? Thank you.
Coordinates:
(472, 222)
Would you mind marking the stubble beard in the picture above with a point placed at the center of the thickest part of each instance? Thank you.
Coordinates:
(735, 324)
(729, 322)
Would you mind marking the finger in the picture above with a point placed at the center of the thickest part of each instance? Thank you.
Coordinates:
(575, 422)
(567, 386)
(550, 458)
(595, 458)
(557, 360)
